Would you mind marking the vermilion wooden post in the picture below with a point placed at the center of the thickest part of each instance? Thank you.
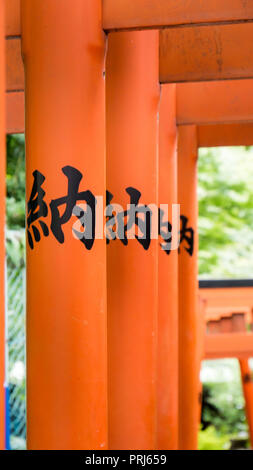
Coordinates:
(201, 324)
(64, 52)
(188, 292)
(247, 385)
(239, 324)
(167, 353)
(132, 144)
(2, 223)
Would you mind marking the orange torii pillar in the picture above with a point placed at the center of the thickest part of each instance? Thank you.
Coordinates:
(64, 51)
(239, 324)
(167, 344)
(201, 325)
(132, 89)
(188, 291)
(247, 385)
(2, 224)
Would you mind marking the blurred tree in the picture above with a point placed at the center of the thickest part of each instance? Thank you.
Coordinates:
(15, 181)
(209, 439)
(223, 408)
(15, 202)
(225, 216)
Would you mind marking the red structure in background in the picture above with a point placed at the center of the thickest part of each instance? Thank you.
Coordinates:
(228, 318)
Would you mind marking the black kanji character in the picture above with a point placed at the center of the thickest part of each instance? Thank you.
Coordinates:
(165, 231)
(187, 235)
(133, 219)
(114, 221)
(36, 208)
(57, 221)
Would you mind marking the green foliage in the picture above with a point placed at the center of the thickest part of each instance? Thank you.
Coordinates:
(211, 440)
(225, 212)
(15, 247)
(224, 407)
(15, 202)
(15, 181)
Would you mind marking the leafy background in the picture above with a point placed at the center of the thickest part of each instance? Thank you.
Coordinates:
(225, 192)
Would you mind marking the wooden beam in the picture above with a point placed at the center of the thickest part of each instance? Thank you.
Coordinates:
(12, 17)
(239, 345)
(200, 106)
(221, 135)
(220, 102)
(234, 284)
(217, 313)
(227, 296)
(206, 53)
(197, 103)
(139, 14)
(222, 298)
(15, 113)
(186, 54)
(14, 65)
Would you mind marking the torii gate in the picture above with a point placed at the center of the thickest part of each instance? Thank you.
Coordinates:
(101, 323)
(228, 314)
